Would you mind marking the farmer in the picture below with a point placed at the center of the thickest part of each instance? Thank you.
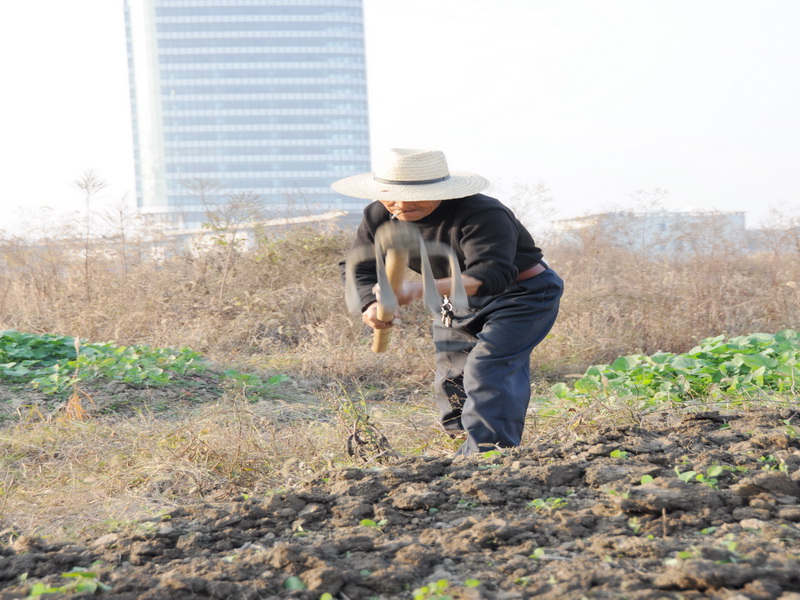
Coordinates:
(483, 357)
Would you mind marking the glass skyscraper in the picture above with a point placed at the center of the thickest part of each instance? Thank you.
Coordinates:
(264, 97)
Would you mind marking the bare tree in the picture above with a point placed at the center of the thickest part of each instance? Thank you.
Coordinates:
(90, 184)
(242, 211)
(122, 218)
(207, 192)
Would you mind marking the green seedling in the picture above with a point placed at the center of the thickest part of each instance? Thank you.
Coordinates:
(434, 591)
(620, 454)
(683, 555)
(294, 583)
(610, 492)
(299, 531)
(646, 479)
(491, 454)
(538, 554)
(708, 478)
(685, 476)
(487, 467)
(730, 544)
(711, 475)
(438, 590)
(548, 504)
(635, 525)
(373, 524)
(770, 463)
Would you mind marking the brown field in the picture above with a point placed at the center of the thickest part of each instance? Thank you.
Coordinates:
(278, 309)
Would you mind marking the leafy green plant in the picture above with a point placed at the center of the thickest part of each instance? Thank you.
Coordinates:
(685, 476)
(741, 365)
(620, 454)
(709, 478)
(84, 582)
(54, 364)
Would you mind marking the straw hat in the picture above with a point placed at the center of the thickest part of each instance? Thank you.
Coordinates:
(405, 175)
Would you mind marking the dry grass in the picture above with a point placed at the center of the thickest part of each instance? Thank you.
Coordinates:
(621, 301)
(280, 305)
(63, 478)
(279, 309)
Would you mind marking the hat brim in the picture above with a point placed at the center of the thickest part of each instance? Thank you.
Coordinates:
(460, 184)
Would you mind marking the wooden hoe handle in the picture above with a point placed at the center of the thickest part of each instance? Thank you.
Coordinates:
(396, 261)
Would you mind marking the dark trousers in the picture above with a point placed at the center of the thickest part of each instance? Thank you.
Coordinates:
(483, 361)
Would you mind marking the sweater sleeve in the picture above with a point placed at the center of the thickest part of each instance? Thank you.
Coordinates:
(362, 253)
(489, 244)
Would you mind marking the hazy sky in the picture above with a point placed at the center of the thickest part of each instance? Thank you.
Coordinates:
(595, 98)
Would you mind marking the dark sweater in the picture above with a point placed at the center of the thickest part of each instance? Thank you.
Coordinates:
(490, 243)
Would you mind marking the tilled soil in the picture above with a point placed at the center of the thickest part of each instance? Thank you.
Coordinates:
(581, 519)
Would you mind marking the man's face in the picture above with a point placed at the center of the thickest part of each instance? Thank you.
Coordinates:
(411, 211)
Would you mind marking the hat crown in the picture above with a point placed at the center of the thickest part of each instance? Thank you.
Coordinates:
(408, 165)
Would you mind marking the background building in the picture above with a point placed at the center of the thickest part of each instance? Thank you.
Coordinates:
(255, 100)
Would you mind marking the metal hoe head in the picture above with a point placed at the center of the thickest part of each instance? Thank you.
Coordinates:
(405, 238)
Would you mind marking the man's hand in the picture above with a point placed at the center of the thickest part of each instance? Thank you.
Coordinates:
(406, 294)
(370, 317)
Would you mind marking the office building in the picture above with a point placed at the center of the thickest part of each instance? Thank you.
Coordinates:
(257, 97)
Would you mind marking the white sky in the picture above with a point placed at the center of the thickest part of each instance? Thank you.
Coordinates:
(596, 98)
